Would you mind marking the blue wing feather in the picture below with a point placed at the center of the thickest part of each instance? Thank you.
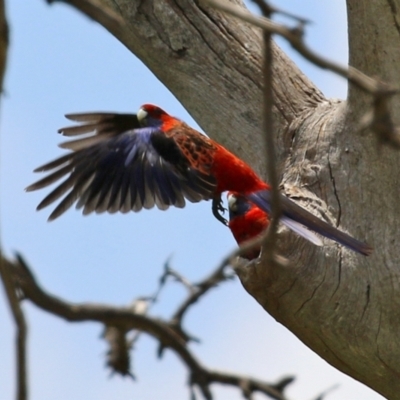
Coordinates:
(121, 171)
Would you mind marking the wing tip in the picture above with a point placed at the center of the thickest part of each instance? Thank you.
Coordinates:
(55, 214)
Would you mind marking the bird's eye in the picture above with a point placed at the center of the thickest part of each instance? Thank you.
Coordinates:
(141, 114)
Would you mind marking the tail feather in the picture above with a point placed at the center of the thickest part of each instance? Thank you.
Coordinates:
(291, 212)
(301, 230)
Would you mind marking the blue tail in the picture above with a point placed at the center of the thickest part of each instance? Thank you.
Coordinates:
(291, 212)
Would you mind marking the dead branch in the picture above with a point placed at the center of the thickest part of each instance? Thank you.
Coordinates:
(22, 330)
(125, 319)
(96, 10)
(16, 310)
(295, 38)
(4, 41)
(199, 289)
(378, 118)
(268, 126)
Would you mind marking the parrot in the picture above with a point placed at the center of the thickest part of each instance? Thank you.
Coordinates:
(129, 162)
(247, 220)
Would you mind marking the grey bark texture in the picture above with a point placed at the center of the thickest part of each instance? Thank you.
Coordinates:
(344, 306)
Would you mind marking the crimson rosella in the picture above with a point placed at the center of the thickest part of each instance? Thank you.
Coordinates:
(247, 221)
(126, 162)
(139, 161)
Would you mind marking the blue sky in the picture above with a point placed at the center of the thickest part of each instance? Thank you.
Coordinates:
(61, 62)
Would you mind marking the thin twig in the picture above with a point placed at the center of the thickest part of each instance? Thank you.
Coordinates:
(22, 330)
(268, 125)
(269, 9)
(168, 271)
(251, 385)
(322, 395)
(199, 289)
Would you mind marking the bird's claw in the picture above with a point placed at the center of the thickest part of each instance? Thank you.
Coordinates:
(218, 208)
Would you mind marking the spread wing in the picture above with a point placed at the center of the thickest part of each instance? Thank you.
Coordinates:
(114, 166)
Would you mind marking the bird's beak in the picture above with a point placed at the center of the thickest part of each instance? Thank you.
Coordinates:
(141, 114)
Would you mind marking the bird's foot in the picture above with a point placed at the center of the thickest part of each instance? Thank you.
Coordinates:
(217, 209)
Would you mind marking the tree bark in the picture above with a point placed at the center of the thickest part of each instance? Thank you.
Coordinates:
(342, 305)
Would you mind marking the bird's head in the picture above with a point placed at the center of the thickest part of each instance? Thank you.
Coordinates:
(151, 115)
(238, 205)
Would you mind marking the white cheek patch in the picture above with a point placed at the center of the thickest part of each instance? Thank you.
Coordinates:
(232, 202)
(141, 114)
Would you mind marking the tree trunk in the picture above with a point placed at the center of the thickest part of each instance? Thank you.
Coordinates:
(342, 305)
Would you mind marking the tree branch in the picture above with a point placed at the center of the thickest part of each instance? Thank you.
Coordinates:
(378, 119)
(22, 330)
(99, 12)
(269, 131)
(126, 319)
(4, 42)
(18, 315)
(295, 38)
(200, 289)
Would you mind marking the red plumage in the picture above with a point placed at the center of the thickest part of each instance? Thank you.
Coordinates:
(206, 155)
(246, 222)
(248, 219)
(127, 162)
